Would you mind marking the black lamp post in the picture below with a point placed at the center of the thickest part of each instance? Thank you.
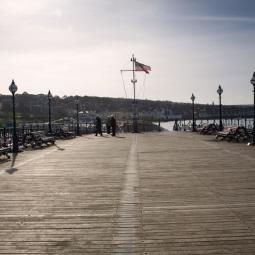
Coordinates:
(13, 88)
(77, 116)
(220, 91)
(253, 131)
(49, 99)
(193, 113)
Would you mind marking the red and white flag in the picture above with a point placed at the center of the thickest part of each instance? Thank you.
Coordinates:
(142, 67)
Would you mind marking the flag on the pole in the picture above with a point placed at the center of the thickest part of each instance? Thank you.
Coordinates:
(142, 67)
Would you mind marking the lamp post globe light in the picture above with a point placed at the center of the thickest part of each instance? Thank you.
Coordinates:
(49, 100)
(77, 116)
(13, 89)
(193, 113)
(253, 131)
(220, 91)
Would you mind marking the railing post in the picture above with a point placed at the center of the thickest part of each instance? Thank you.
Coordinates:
(4, 134)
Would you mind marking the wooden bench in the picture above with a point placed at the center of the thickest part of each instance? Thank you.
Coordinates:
(37, 138)
(233, 133)
(208, 129)
(63, 133)
(4, 151)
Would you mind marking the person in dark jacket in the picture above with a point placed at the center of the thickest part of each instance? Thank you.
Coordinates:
(113, 125)
(108, 125)
(98, 126)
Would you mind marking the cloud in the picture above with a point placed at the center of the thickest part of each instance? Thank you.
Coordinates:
(217, 18)
(58, 13)
(79, 47)
(21, 8)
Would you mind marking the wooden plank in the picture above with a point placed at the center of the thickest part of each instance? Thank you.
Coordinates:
(153, 193)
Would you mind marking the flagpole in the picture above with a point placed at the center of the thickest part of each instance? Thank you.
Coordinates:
(135, 108)
(137, 67)
(134, 80)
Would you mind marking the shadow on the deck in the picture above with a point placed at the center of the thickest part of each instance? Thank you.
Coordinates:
(59, 148)
(120, 136)
(12, 169)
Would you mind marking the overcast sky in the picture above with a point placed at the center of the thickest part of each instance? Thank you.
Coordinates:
(77, 47)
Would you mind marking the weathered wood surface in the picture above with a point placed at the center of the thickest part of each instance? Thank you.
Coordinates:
(154, 193)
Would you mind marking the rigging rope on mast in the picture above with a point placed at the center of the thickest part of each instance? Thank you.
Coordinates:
(137, 67)
(144, 83)
(142, 89)
(123, 84)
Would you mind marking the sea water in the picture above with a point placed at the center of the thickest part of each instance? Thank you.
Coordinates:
(249, 123)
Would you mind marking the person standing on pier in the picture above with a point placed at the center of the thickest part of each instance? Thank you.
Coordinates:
(113, 125)
(108, 125)
(98, 126)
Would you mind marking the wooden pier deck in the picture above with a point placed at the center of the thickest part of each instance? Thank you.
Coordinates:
(153, 193)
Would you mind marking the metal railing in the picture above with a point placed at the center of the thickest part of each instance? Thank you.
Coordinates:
(84, 128)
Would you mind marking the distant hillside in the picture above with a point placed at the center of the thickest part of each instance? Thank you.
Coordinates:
(35, 107)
